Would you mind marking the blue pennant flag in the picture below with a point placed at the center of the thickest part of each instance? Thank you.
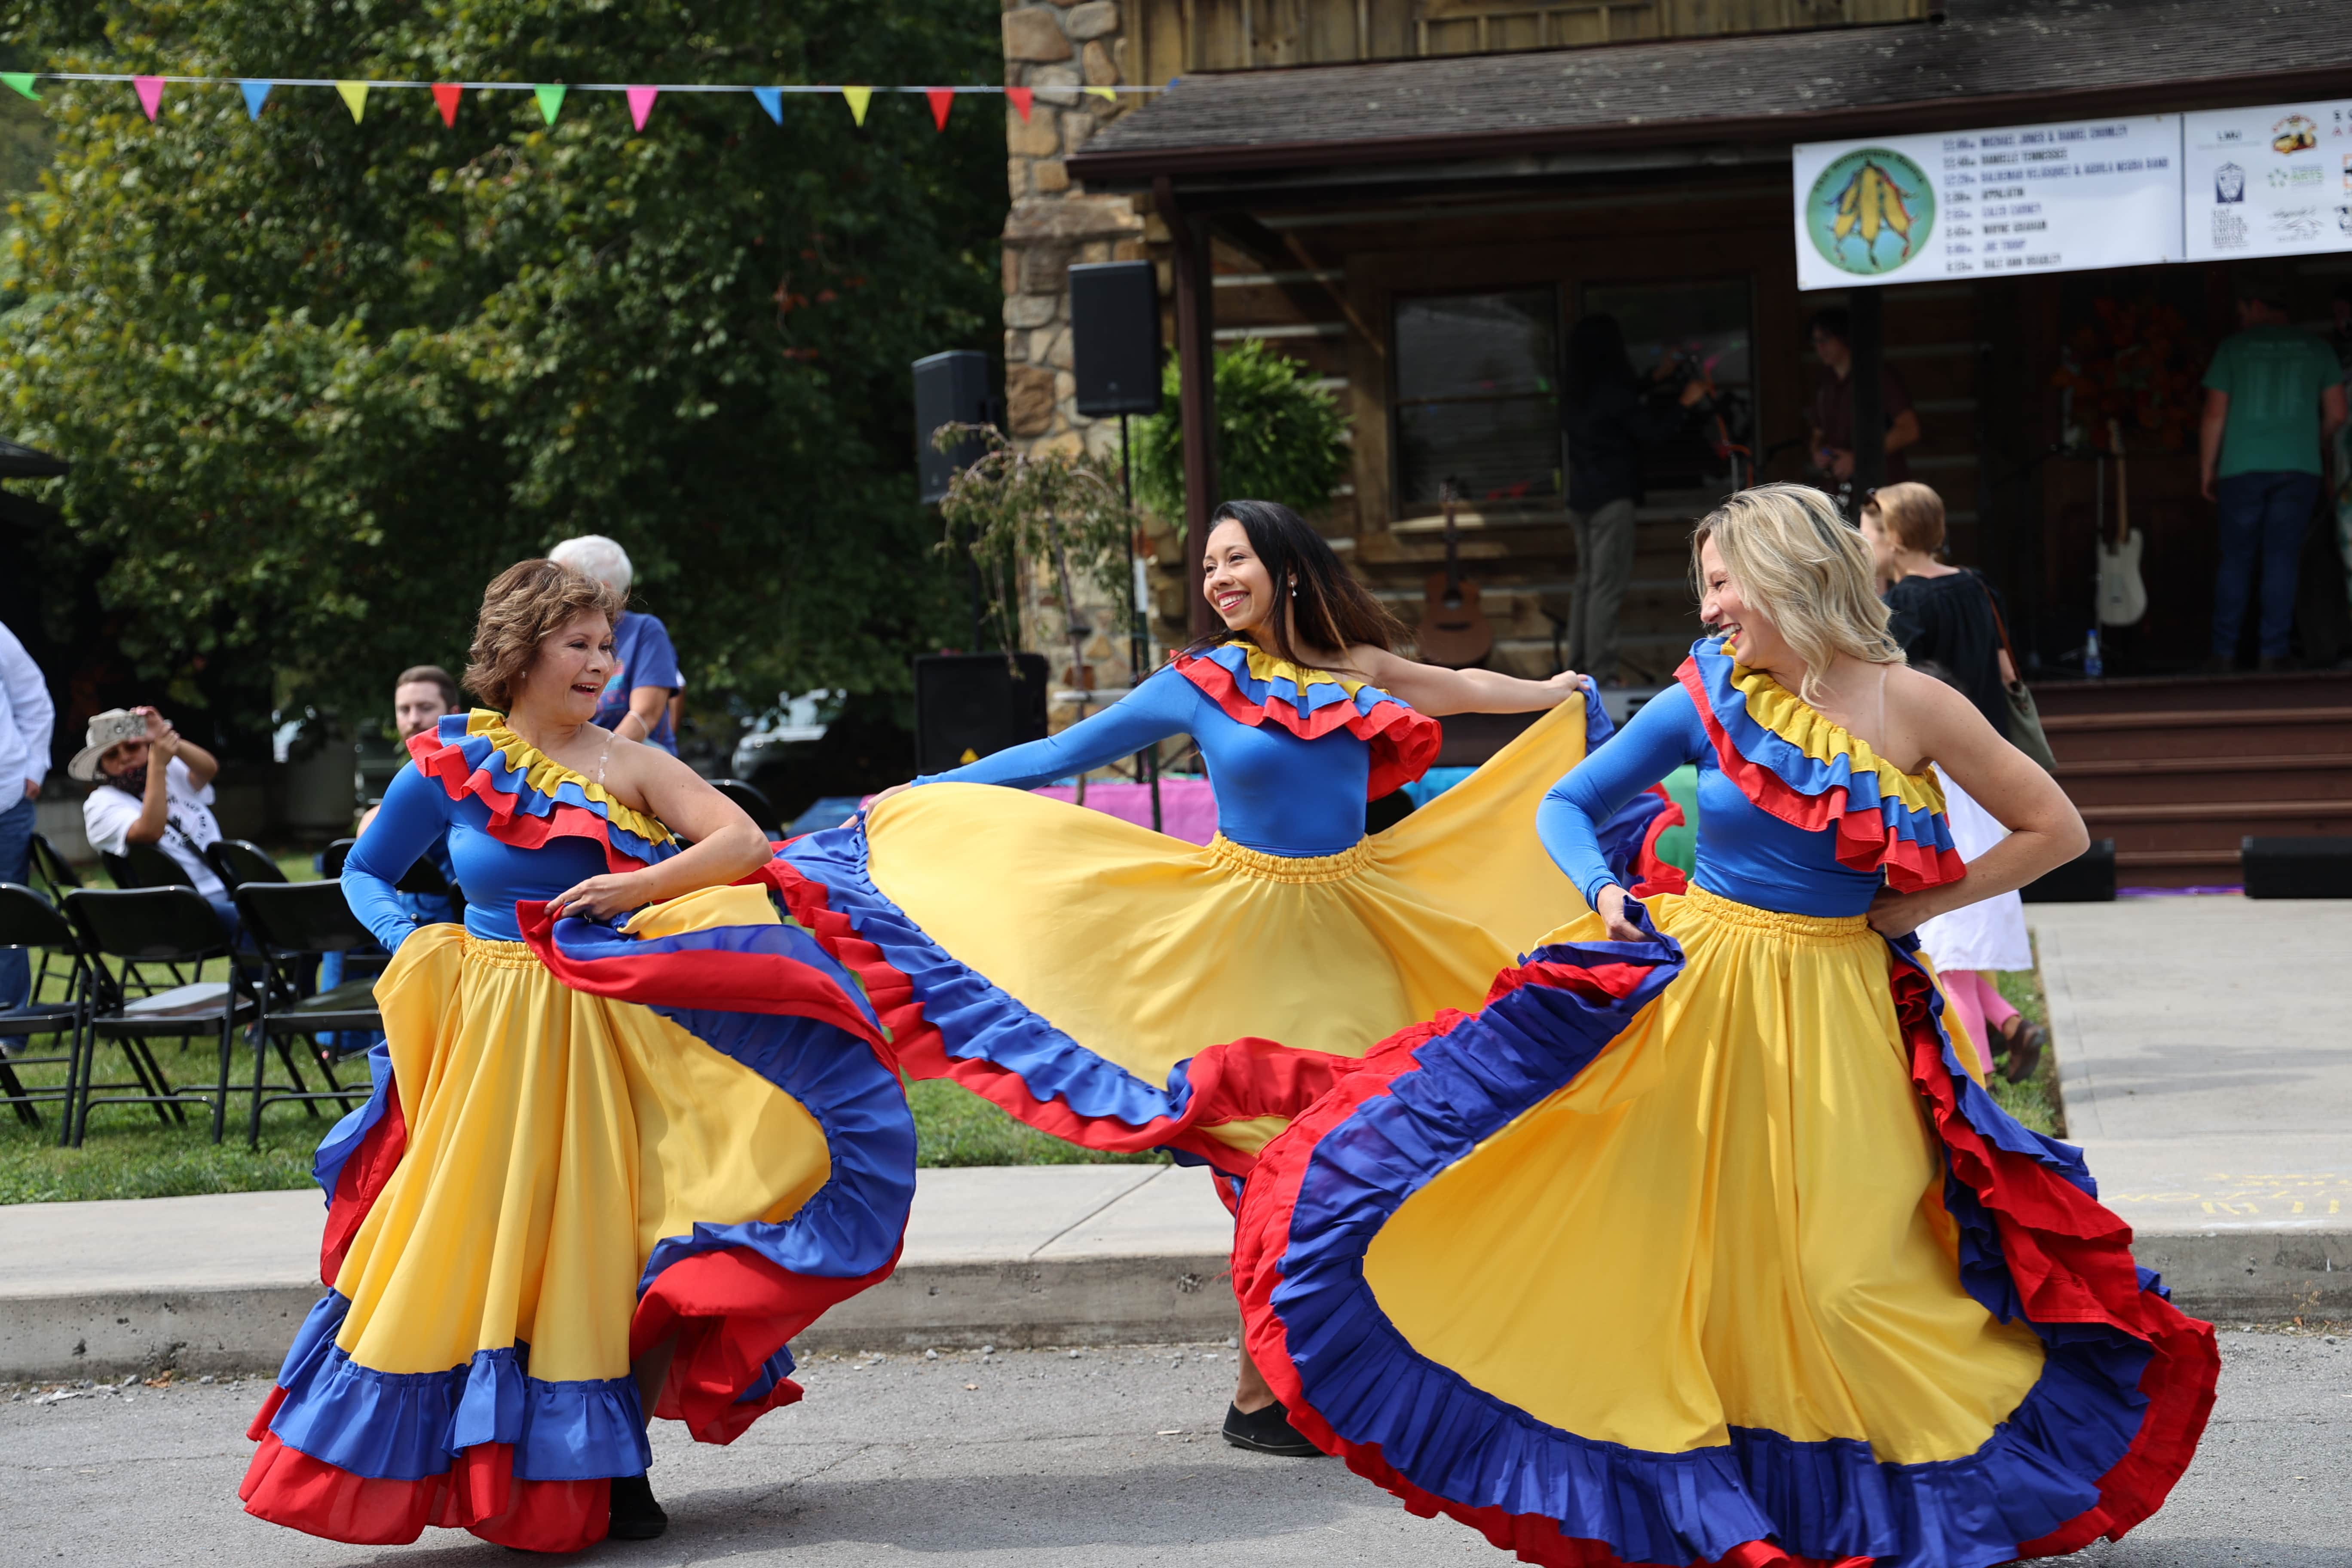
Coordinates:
(254, 92)
(772, 100)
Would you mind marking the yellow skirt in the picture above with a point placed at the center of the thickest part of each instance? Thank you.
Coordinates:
(546, 1182)
(1063, 962)
(1674, 1251)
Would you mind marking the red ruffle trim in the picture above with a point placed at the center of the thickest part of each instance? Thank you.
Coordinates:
(1404, 741)
(520, 830)
(1651, 875)
(1236, 1082)
(364, 1175)
(1865, 841)
(2071, 1261)
(478, 1493)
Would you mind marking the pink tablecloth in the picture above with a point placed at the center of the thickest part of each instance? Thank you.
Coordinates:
(1187, 808)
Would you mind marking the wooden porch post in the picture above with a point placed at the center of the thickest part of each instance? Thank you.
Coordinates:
(1197, 399)
(1869, 349)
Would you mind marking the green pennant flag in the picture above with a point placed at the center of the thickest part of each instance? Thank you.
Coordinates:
(551, 99)
(21, 81)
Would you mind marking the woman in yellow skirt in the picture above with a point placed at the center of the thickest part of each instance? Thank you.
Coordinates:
(1069, 966)
(1701, 1241)
(603, 1173)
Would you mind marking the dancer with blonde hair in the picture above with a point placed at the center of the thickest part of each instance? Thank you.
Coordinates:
(1699, 1241)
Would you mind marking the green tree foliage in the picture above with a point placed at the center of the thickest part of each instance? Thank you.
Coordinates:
(1280, 437)
(321, 380)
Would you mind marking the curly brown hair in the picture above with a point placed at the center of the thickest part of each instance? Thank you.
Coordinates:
(522, 605)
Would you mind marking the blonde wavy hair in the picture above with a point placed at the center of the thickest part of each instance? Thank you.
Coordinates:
(522, 605)
(1805, 569)
(1912, 513)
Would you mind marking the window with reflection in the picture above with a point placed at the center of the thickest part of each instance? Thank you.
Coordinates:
(1478, 399)
(1673, 331)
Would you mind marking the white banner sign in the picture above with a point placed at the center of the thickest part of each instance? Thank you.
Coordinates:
(2268, 182)
(1980, 203)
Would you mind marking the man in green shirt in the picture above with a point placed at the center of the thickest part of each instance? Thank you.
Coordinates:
(2274, 398)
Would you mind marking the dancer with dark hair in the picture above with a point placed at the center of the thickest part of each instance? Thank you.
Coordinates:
(1699, 1241)
(1065, 964)
(606, 1170)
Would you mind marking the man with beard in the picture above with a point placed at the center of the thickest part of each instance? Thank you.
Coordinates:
(154, 787)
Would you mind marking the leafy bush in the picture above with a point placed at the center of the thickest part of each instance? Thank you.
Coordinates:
(1280, 437)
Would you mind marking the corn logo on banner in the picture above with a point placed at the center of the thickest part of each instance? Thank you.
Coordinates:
(1980, 203)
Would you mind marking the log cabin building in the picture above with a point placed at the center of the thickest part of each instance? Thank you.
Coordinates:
(1419, 198)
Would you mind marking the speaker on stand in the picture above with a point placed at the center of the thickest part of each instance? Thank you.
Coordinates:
(968, 705)
(952, 388)
(1115, 346)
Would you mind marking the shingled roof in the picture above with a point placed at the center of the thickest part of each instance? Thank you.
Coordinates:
(1986, 61)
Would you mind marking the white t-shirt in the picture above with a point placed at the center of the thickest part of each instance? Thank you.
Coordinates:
(111, 810)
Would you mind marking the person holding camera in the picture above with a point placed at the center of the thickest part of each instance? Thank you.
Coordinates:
(155, 786)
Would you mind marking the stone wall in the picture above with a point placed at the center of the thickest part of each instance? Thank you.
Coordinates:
(1058, 50)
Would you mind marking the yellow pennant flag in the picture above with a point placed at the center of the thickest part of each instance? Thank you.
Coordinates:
(859, 97)
(355, 95)
(1107, 95)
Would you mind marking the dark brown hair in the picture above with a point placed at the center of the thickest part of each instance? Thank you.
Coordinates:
(430, 675)
(522, 605)
(1314, 594)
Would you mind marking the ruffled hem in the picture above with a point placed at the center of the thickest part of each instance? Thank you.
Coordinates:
(532, 797)
(1253, 687)
(1008, 1055)
(1790, 761)
(478, 1493)
(2094, 1447)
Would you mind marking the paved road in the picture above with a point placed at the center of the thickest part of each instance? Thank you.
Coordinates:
(1105, 1458)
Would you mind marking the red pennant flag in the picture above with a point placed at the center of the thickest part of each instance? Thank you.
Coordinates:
(1019, 98)
(943, 99)
(445, 94)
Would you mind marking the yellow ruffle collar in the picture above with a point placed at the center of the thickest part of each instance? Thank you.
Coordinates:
(1805, 727)
(545, 775)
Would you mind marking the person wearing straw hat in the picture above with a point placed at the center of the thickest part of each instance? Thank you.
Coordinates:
(155, 786)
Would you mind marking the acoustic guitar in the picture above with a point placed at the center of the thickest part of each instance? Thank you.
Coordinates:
(1454, 632)
(2123, 598)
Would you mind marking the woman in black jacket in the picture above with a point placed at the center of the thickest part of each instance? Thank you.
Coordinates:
(1943, 614)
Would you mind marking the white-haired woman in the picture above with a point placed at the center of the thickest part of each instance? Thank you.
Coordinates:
(636, 700)
(1700, 1241)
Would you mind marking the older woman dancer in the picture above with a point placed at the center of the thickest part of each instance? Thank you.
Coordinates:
(562, 1212)
(1698, 1242)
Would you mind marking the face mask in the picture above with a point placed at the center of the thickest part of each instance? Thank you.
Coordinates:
(134, 781)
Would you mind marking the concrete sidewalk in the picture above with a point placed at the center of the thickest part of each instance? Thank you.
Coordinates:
(2207, 1067)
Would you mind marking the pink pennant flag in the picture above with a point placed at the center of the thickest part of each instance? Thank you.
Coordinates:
(641, 103)
(150, 93)
(943, 99)
(1019, 98)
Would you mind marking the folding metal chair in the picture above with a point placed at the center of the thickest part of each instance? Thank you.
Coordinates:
(50, 867)
(144, 866)
(295, 924)
(156, 925)
(755, 805)
(28, 920)
(238, 861)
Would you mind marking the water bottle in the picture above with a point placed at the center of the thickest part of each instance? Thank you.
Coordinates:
(2093, 665)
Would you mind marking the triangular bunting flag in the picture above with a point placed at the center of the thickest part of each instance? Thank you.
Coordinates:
(943, 99)
(770, 99)
(445, 95)
(1109, 95)
(354, 97)
(256, 94)
(641, 103)
(150, 93)
(1018, 97)
(859, 97)
(21, 81)
(551, 99)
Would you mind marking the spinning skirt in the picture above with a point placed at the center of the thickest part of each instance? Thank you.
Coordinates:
(1063, 963)
(1709, 1249)
(546, 1182)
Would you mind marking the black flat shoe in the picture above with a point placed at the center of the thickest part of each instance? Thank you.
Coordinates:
(636, 1515)
(1267, 1431)
(2025, 1053)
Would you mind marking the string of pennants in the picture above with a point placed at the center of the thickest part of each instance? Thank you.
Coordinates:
(549, 94)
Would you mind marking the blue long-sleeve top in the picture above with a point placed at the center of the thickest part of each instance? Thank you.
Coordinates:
(416, 811)
(1745, 853)
(1277, 794)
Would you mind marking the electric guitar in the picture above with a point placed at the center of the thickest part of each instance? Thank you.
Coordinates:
(1454, 632)
(2123, 598)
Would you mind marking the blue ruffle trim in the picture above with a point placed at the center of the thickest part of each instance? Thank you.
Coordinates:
(976, 1019)
(407, 1426)
(1808, 775)
(484, 757)
(1317, 696)
(346, 1135)
(1827, 1500)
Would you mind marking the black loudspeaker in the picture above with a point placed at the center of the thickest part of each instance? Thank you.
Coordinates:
(950, 389)
(2088, 878)
(2307, 866)
(968, 705)
(1115, 338)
